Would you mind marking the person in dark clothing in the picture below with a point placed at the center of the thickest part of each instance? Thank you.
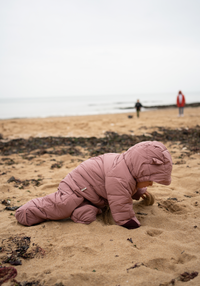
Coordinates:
(138, 106)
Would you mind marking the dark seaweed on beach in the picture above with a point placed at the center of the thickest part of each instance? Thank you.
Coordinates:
(8, 161)
(188, 276)
(7, 273)
(21, 184)
(12, 208)
(32, 283)
(19, 247)
(111, 143)
(184, 277)
(57, 165)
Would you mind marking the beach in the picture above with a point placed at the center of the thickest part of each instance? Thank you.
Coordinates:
(165, 250)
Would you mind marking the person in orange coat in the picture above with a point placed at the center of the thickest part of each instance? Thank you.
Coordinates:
(180, 102)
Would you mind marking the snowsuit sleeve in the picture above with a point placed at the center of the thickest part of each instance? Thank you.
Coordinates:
(120, 200)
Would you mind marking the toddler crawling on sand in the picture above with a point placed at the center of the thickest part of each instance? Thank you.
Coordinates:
(109, 181)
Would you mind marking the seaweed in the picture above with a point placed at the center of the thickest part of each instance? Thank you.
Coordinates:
(57, 165)
(184, 277)
(112, 142)
(21, 184)
(19, 247)
(188, 276)
(7, 273)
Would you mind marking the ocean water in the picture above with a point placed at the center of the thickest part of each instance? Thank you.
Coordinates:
(83, 105)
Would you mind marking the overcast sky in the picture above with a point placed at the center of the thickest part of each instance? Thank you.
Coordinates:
(94, 47)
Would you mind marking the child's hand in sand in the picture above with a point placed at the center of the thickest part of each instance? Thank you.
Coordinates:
(148, 199)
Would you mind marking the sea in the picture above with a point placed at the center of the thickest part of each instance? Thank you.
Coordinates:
(41, 107)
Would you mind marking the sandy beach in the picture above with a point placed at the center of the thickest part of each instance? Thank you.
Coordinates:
(63, 253)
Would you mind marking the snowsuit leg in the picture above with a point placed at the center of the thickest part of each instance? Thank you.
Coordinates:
(58, 205)
(85, 213)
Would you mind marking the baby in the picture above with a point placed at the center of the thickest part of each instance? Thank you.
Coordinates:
(110, 179)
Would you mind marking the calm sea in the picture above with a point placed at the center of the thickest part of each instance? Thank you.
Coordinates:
(83, 105)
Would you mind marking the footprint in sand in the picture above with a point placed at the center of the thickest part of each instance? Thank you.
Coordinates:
(184, 258)
(172, 207)
(154, 232)
(160, 264)
(72, 250)
(166, 265)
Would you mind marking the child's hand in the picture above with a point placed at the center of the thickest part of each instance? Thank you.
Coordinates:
(148, 199)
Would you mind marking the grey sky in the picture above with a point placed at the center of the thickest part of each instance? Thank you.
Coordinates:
(94, 47)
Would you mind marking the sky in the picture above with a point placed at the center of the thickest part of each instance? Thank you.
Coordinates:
(98, 47)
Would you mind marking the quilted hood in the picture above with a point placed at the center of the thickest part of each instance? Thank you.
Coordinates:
(149, 161)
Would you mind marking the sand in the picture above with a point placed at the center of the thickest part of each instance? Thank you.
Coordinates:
(65, 253)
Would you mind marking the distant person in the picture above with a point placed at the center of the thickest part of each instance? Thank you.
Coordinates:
(180, 102)
(138, 106)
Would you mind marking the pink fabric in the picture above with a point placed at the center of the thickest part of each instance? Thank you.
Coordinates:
(85, 213)
(55, 206)
(182, 102)
(107, 179)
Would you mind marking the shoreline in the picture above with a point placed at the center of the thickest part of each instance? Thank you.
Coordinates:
(194, 104)
(114, 111)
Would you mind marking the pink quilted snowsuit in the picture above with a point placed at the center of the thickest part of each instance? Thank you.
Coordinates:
(108, 179)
